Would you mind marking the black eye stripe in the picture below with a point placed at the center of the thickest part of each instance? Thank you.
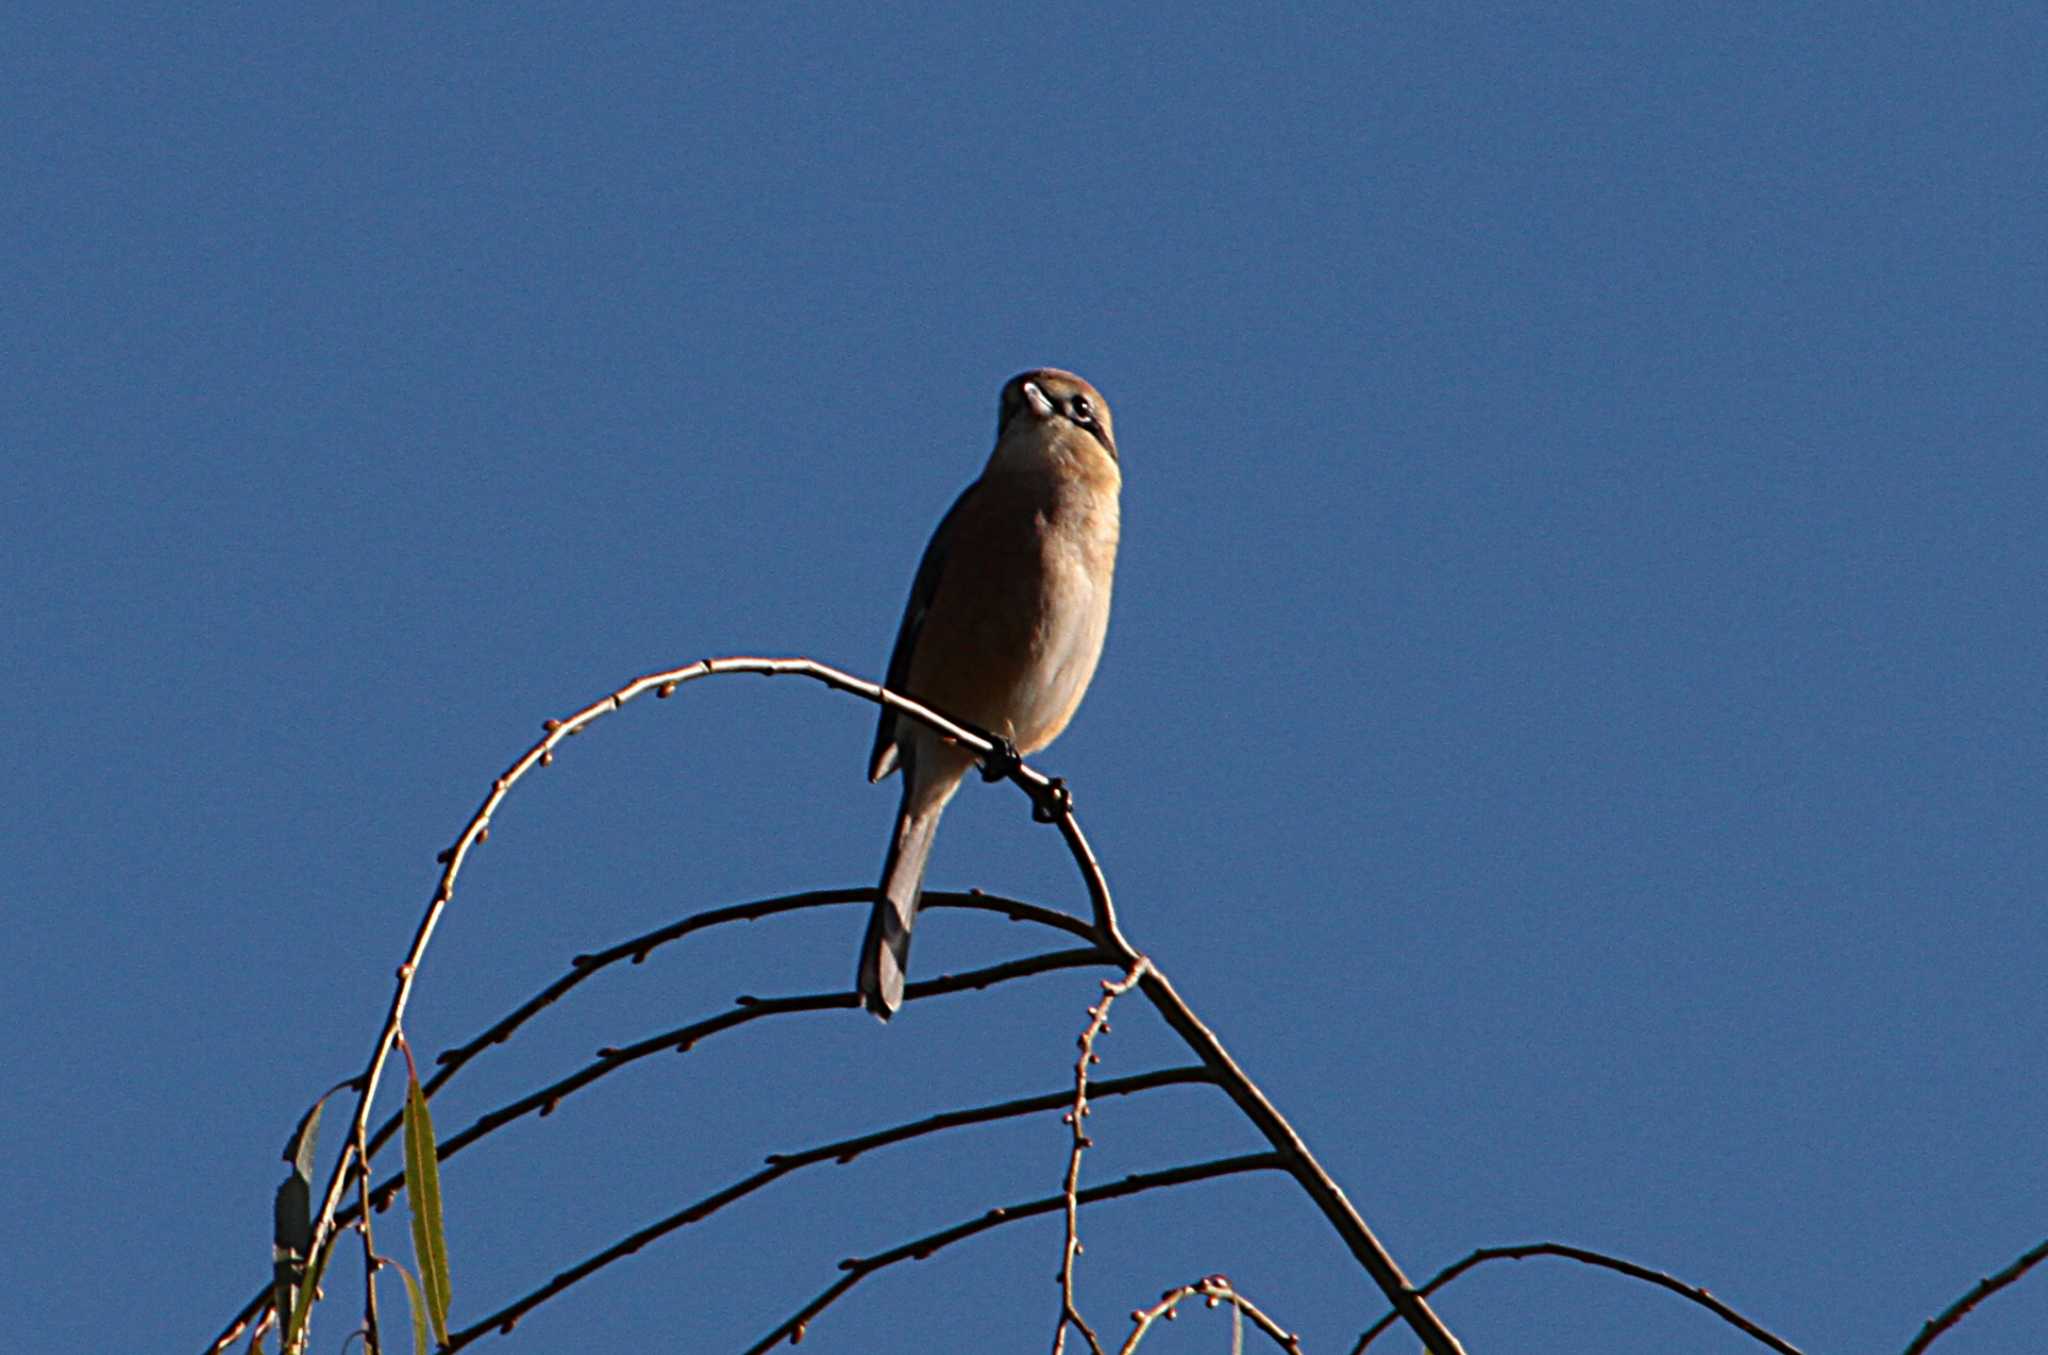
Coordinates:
(1079, 408)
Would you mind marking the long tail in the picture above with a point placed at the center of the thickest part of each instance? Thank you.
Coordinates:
(885, 954)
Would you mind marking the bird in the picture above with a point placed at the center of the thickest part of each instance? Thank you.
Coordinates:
(1002, 632)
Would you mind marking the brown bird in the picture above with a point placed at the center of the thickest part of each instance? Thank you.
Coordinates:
(1003, 628)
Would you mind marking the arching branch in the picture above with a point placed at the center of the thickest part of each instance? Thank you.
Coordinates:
(1591, 1258)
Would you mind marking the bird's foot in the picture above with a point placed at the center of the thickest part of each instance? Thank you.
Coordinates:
(1055, 801)
(999, 762)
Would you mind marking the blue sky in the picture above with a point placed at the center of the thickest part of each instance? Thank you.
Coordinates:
(1572, 718)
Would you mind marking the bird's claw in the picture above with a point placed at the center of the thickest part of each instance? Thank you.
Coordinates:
(1056, 801)
(1001, 760)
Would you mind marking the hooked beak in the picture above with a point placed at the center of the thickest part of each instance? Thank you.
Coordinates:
(1040, 404)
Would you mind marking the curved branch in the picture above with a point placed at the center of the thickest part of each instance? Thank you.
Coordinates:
(638, 948)
(747, 1010)
(782, 1164)
(1213, 1289)
(1978, 1292)
(859, 1268)
(1591, 1258)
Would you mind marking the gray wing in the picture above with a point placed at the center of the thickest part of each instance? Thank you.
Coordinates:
(926, 586)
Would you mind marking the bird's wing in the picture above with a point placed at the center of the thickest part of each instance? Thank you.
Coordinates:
(926, 586)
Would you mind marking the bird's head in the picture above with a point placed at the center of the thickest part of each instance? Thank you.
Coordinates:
(1049, 407)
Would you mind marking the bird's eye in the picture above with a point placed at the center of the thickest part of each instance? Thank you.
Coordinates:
(1083, 410)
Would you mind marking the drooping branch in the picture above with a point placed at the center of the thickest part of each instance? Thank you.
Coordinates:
(748, 1009)
(1590, 1258)
(782, 1164)
(637, 949)
(859, 1268)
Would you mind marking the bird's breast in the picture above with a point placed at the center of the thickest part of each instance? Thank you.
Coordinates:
(1017, 623)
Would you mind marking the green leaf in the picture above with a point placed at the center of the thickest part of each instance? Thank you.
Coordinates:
(302, 1307)
(418, 1307)
(423, 1196)
(292, 1222)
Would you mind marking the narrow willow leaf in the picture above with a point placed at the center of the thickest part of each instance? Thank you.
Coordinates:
(423, 1196)
(293, 1339)
(292, 1220)
(418, 1308)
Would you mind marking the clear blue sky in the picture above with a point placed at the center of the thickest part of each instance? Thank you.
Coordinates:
(1572, 720)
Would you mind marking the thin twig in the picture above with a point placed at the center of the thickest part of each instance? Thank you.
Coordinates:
(1977, 1293)
(859, 1268)
(782, 1164)
(1591, 1258)
(1098, 1025)
(372, 1345)
(638, 948)
(1213, 1289)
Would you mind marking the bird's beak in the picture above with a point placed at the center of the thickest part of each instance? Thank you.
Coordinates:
(1037, 399)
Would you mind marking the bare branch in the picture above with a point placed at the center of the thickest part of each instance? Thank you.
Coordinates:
(1214, 1289)
(1098, 1024)
(746, 1010)
(638, 948)
(1591, 1258)
(1978, 1292)
(372, 1341)
(782, 1164)
(859, 1268)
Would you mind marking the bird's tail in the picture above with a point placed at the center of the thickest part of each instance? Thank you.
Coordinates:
(885, 954)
